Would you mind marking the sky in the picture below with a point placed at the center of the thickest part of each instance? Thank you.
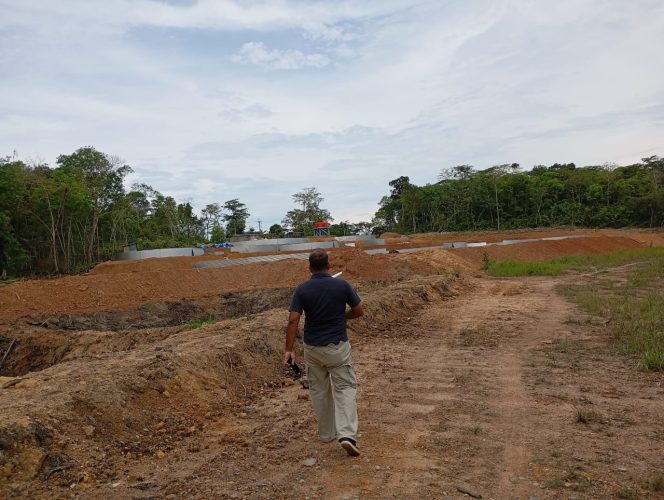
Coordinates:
(209, 100)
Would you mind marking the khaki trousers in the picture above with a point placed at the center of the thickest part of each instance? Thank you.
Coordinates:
(332, 386)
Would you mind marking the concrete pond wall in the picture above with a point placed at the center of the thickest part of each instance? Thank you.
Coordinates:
(160, 252)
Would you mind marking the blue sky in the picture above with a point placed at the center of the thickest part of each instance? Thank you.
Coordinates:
(215, 99)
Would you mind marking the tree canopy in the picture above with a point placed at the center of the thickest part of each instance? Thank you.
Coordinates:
(308, 211)
(66, 219)
(506, 197)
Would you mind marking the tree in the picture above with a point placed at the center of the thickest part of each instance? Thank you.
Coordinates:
(236, 216)
(217, 234)
(276, 231)
(343, 228)
(211, 216)
(302, 219)
(100, 177)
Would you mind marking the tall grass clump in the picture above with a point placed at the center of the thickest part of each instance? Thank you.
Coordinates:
(633, 309)
(197, 323)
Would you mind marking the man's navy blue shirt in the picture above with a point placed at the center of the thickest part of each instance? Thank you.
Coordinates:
(323, 300)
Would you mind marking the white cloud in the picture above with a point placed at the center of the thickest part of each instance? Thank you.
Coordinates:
(374, 90)
(322, 32)
(209, 14)
(258, 54)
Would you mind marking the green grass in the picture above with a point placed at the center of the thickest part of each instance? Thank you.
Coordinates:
(197, 323)
(632, 308)
(508, 268)
(634, 314)
(561, 265)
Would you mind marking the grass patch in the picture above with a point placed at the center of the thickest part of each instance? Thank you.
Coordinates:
(628, 494)
(553, 484)
(587, 416)
(633, 311)
(632, 308)
(656, 482)
(507, 268)
(197, 323)
(561, 265)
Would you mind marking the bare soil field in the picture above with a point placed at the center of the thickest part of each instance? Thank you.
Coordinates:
(467, 383)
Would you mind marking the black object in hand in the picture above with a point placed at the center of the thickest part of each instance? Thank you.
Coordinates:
(293, 365)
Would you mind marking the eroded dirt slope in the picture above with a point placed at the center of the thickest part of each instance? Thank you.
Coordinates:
(37, 299)
(465, 383)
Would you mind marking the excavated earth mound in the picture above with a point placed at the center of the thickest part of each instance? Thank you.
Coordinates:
(38, 300)
(94, 401)
(544, 250)
(107, 373)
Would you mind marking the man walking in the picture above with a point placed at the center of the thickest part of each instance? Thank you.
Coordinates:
(332, 382)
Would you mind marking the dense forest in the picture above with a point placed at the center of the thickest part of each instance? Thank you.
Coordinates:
(505, 197)
(66, 219)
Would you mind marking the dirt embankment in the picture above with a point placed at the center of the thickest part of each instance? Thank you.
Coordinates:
(96, 402)
(544, 250)
(37, 300)
(112, 393)
(396, 241)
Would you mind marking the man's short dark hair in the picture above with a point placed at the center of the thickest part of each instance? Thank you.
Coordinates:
(318, 260)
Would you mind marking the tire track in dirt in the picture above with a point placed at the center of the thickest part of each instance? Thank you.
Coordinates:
(494, 329)
(457, 384)
(442, 403)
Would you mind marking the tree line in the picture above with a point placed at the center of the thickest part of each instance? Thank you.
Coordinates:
(66, 219)
(506, 197)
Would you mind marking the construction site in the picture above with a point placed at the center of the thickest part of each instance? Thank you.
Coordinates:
(162, 377)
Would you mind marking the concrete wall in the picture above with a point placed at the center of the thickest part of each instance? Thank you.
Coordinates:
(275, 241)
(160, 252)
(516, 242)
(255, 248)
(356, 237)
(309, 246)
(273, 245)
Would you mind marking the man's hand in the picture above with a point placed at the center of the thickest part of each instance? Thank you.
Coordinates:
(355, 312)
(291, 331)
(289, 355)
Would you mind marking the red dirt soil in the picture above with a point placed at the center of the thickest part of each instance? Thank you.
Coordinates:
(544, 250)
(128, 284)
(167, 279)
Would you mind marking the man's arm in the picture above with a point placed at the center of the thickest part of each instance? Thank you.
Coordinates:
(291, 332)
(355, 312)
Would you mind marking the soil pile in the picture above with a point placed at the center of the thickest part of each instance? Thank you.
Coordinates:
(40, 299)
(544, 250)
(112, 401)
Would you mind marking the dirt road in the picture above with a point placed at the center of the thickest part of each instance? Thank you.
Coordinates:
(500, 388)
(478, 393)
